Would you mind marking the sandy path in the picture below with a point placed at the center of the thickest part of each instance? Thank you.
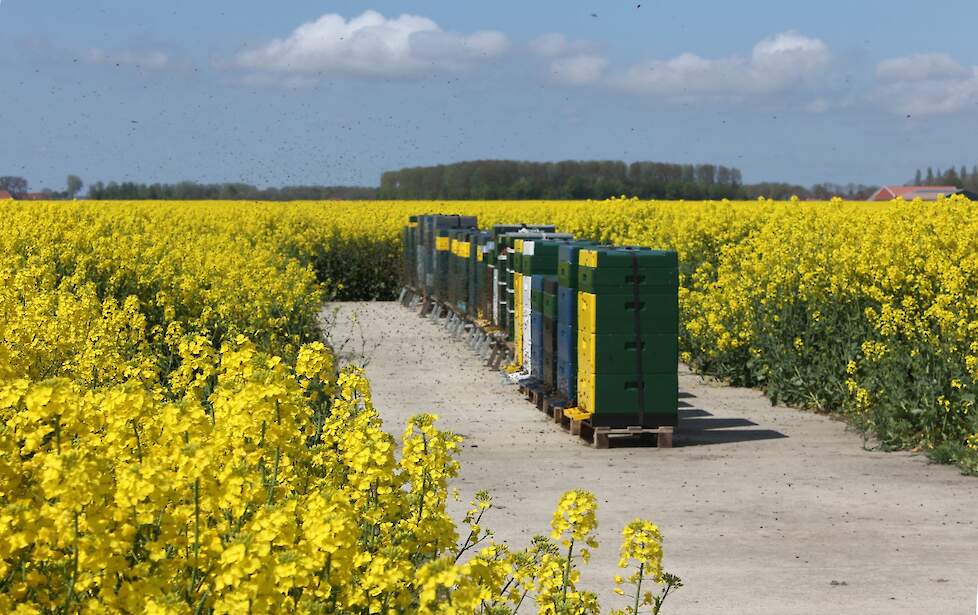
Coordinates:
(765, 509)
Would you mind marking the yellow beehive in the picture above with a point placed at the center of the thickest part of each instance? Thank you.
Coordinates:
(518, 317)
(587, 315)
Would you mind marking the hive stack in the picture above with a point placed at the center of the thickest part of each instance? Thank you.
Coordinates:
(434, 243)
(456, 281)
(409, 245)
(566, 332)
(514, 317)
(478, 275)
(534, 257)
(520, 314)
(462, 253)
(627, 340)
(549, 367)
(535, 351)
(538, 261)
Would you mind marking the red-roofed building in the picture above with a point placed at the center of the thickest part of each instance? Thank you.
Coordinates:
(4, 195)
(909, 193)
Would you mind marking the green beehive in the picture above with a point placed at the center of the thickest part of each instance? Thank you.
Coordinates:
(611, 353)
(657, 312)
(440, 263)
(536, 301)
(616, 280)
(624, 400)
(510, 244)
(540, 255)
(550, 306)
(628, 323)
(458, 280)
(567, 265)
(625, 257)
(612, 270)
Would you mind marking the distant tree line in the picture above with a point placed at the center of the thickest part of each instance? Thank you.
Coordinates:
(818, 192)
(19, 187)
(962, 178)
(503, 179)
(570, 179)
(189, 191)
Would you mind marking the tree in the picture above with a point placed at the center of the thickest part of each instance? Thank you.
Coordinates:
(13, 184)
(930, 176)
(917, 178)
(951, 178)
(74, 185)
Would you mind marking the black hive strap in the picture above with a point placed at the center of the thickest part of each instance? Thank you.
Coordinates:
(639, 343)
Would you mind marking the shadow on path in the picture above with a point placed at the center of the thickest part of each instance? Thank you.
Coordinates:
(699, 427)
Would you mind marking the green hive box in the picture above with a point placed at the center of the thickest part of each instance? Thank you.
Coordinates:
(543, 256)
(567, 262)
(614, 399)
(658, 312)
(441, 263)
(537, 265)
(567, 274)
(536, 301)
(515, 261)
(627, 257)
(619, 279)
(611, 353)
(550, 306)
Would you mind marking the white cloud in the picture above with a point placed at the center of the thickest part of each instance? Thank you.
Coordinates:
(782, 62)
(555, 44)
(373, 45)
(570, 61)
(926, 84)
(153, 60)
(920, 67)
(578, 70)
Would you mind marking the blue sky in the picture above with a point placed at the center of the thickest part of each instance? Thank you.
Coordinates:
(337, 92)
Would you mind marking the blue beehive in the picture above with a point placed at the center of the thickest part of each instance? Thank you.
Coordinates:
(536, 350)
(567, 268)
(567, 379)
(567, 306)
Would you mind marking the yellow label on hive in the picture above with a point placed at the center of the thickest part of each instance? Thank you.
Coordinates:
(413, 224)
(518, 246)
(478, 255)
(463, 249)
(442, 244)
(588, 258)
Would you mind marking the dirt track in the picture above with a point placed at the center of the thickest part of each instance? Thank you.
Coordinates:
(764, 509)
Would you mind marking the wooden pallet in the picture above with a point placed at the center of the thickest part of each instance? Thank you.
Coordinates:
(499, 351)
(535, 394)
(553, 405)
(408, 294)
(427, 305)
(602, 437)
